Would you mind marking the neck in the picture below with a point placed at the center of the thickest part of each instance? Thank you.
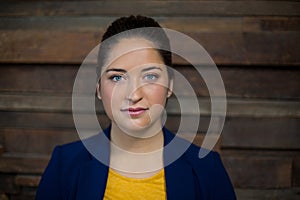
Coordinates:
(136, 144)
(134, 156)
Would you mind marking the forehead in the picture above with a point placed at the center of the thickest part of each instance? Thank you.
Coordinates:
(133, 52)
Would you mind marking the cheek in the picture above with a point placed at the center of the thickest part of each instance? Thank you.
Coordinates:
(111, 96)
(157, 94)
(106, 96)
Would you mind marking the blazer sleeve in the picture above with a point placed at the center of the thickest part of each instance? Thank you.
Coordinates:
(223, 188)
(213, 181)
(49, 186)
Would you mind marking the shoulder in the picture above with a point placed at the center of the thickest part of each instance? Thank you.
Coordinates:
(81, 149)
(208, 171)
(193, 155)
(70, 150)
(67, 158)
(192, 152)
(62, 170)
(210, 174)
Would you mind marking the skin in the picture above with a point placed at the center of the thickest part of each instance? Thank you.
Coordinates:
(134, 87)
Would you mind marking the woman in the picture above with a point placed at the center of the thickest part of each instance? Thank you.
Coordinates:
(135, 81)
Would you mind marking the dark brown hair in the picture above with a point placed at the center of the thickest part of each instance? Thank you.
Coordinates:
(119, 29)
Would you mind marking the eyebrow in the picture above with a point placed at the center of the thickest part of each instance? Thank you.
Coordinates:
(124, 71)
(116, 70)
(150, 68)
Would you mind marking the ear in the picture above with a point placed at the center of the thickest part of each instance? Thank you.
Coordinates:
(98, 91)
(170, 89)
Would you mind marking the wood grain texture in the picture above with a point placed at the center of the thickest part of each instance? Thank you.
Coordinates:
(296, 172)
(259, 172)
(235, 107)
(36, 141)
(239, 81)
(7, 184)
(254, 43)
(153, 8)
(231, 40)
(40, 46)
(261, 133)
(27, 180)
(250, 194)
(23, 163)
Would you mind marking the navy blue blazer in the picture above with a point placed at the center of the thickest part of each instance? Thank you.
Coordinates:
(74, 173)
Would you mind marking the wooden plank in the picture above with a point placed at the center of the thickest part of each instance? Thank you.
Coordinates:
(239, 81)
(261, 133)
(59, 46)
(198, 140)
(42, 141)
(44, 119)
(34, 140)
(1, 146)
(252, 82)
(23, 163)
(23, 196)
(259, 171)
(296, 172)
(3, 196)
(251, 24)
(98, 24)
(27, 180)
(35, 103)
(65, 23)
(29, 119)
(239, 107)
(46, 46)
(290, 154)
(263, 108)
(174, 121)
(235, 107)
(279, 133)
(266, 48)
(169, 8)
(58, 79)
(261, 82)
(7, 184)
(260, 194)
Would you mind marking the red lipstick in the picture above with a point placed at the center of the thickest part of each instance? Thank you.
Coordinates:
(135, 112)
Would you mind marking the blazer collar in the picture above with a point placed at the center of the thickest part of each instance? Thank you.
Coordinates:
(93, 176)
(178, 172)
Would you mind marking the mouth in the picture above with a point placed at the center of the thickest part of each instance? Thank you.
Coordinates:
(135, 112)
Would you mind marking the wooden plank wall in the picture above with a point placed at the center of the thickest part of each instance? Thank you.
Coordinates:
(254, 43)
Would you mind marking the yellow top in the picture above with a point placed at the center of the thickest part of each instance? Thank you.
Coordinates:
(120, 187)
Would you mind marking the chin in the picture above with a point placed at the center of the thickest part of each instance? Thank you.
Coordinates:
(135, 126)
(141, 129)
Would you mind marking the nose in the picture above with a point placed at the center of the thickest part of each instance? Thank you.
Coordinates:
(134, 91)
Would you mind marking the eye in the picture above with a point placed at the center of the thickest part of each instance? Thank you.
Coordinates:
(116, 78)
(151, 77)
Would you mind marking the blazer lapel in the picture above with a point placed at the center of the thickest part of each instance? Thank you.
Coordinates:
(92, 181)
(93, 175)
(180, 183)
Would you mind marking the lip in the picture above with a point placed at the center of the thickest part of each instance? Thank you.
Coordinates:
(135, 112)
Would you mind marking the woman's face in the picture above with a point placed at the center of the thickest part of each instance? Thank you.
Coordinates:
(134, 86)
